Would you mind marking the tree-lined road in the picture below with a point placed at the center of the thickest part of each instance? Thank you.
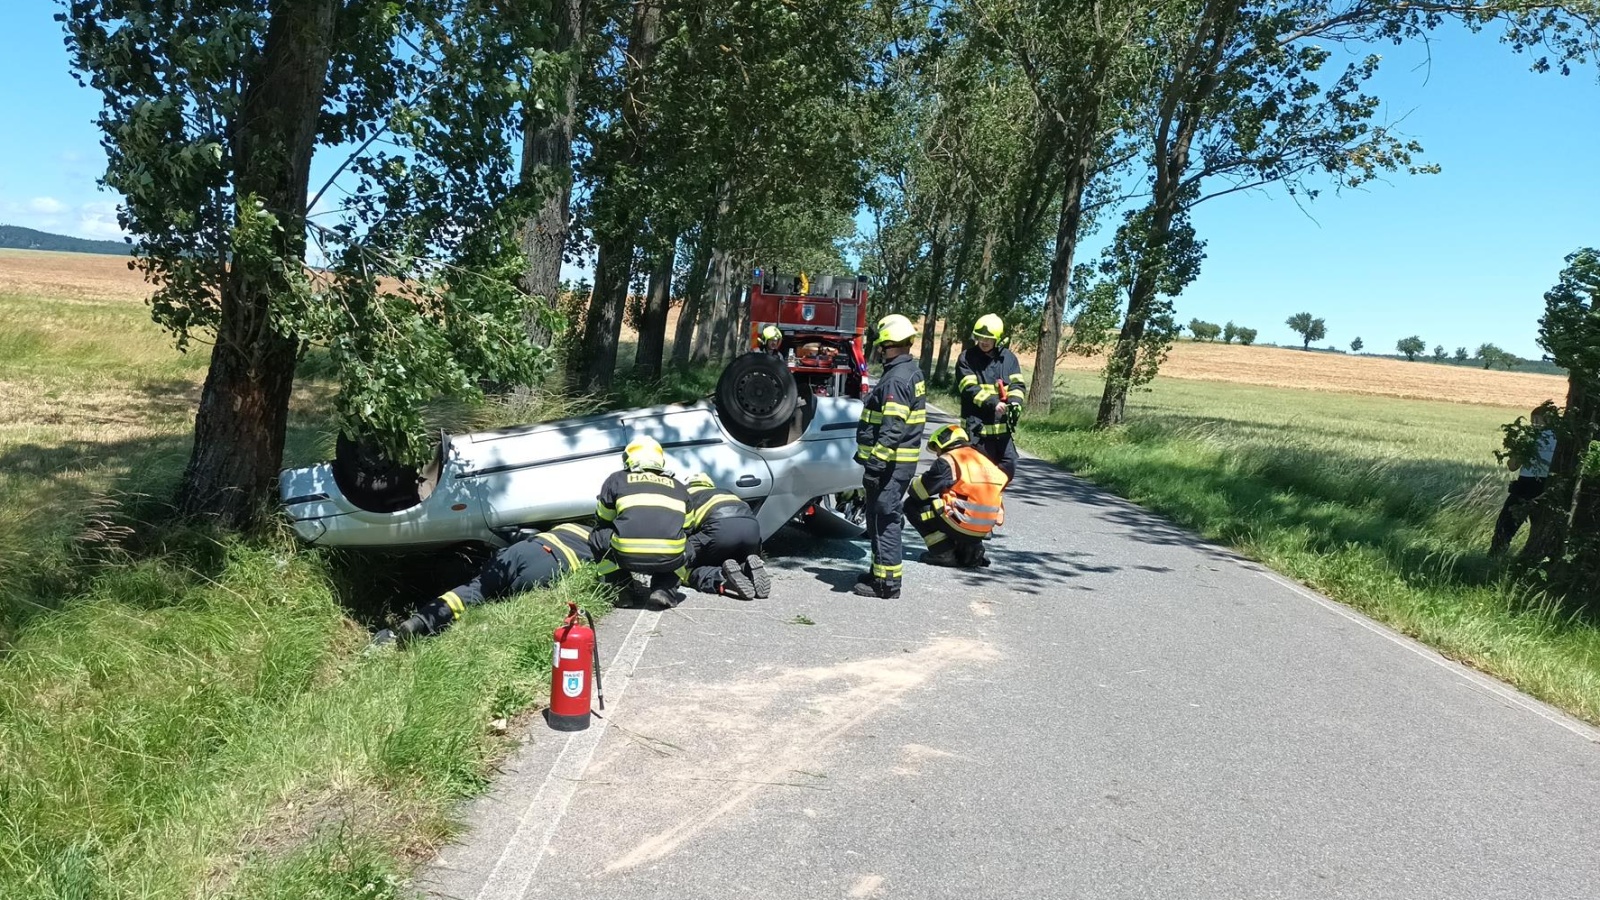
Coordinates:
(1115, 709)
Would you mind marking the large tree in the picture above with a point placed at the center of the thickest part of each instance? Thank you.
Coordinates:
(1564, 536)
(1308, 327)
(214, 112)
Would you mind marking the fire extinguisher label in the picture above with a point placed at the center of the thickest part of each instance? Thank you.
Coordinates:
(569, 652)
(555, 655)
(572, 683)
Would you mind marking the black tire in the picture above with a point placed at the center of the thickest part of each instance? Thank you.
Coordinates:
(757, 394)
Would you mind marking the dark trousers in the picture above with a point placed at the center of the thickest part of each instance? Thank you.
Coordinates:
(1002, 451)
(1519, 505)
(619, 569)
(520, 567)
(720, 539)
(935, 531)
(885, 517)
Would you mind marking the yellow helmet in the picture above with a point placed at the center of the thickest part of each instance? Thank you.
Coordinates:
(771, 333)
(990, 326)
(644, 453)
(948, 437)
(701, 480)
(895, 329)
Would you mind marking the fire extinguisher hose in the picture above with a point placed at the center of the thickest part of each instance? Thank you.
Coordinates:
(599, 689)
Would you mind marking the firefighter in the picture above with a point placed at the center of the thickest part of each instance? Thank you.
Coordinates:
(956, 503)
(772, 341)
(642, 512)
(535, 562)
(988, 419)
(724, 543)
(888, 442)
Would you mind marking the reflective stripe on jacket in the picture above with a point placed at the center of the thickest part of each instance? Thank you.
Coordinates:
(977, 373)
(972, 506)
(893, 415)
(568, 542)
(648, 511)
(709, 503)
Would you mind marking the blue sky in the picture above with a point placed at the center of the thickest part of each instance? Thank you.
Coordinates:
(1459, 258)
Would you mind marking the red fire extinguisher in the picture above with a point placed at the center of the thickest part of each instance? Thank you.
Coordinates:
(576, 655)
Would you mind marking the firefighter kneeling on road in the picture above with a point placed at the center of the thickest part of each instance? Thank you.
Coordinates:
(984, 366)
(724, 543)
(535, 562)
(888, 442)
(956, 503)
(642, 512)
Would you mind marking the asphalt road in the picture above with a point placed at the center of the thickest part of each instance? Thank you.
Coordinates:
(1116, 709)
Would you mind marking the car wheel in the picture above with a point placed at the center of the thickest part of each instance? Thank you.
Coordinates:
(757, 393)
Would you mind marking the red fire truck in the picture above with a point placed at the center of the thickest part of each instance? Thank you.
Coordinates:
(823, 320)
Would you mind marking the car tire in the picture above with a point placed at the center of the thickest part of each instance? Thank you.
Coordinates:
(756, 394)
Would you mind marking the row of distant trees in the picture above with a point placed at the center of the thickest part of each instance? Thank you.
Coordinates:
(1310, 328)
(1211, 331)
(1488, 355)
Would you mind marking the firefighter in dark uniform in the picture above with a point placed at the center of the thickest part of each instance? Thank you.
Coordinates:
(724, 543)
(988, 419)
(772, 341)
(642, 512)
(956, 503)
(888, 442)
(527, 564)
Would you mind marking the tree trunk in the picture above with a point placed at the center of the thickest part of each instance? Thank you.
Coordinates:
(969, 228)
(619, 218)
(244, 405)
(708, 339)
(939, 245)
(597, 362)
(652, 348)
(1042, 389)
(547, 169)
(1125, 356)
(694, 301)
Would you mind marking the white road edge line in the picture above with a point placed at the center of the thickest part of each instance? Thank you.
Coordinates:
(1477, 679)
(542, 817)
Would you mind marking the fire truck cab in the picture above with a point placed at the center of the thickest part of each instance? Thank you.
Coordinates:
(824, 322)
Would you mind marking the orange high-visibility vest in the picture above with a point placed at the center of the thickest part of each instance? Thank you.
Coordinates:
(973, 506)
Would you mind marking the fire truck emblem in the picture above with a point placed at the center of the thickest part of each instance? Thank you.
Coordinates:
(808, 311)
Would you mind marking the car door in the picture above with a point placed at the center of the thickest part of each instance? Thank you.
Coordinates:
(694, 442)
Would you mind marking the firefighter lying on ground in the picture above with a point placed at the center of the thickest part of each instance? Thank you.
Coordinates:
(642, 512)
(989, 420)
(956, 504)
(888, 442)
(724, 543)
(527, 564)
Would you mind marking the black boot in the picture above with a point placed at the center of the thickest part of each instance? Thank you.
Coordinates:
(736, 583)
(881, 588)
(759, 576)
(430, 618)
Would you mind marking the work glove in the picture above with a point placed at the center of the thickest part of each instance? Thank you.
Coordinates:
(872, 477)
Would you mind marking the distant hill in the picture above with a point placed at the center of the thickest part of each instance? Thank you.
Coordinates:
(15, 237)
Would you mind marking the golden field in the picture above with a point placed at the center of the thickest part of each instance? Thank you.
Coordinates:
(90, 278)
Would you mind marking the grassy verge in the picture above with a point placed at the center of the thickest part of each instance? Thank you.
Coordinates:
(1386, 505)
(183, 714)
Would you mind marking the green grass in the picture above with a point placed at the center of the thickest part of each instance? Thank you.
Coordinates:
(1386, 505)
(183, 714)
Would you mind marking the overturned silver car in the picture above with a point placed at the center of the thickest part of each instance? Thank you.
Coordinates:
(790, 457)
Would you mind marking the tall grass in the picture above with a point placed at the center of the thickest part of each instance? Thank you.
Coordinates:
(185, 714)
(1386, 505)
